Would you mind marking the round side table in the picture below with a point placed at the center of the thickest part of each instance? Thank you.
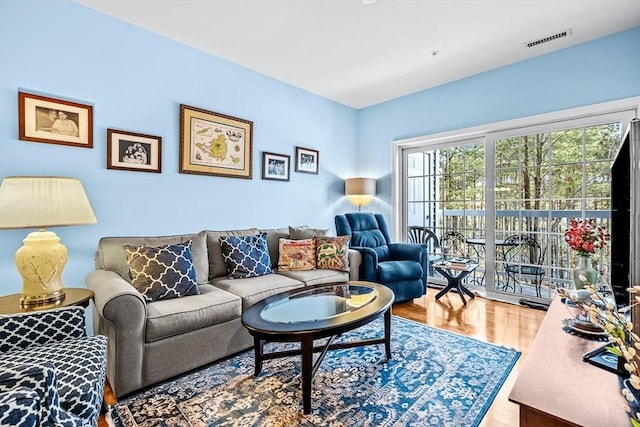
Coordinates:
(10, 304)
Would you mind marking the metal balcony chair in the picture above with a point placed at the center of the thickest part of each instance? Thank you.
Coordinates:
(419, 234)
(522, 257)
(454, 244)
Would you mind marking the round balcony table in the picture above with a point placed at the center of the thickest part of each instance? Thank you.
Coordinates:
(10, 304)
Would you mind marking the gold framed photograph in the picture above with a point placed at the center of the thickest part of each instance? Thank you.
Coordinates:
(133, 151)
(307, 160)
(215, 144)
(275, 166)
(54, 121)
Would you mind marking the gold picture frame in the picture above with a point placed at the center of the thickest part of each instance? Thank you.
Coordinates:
(133, 151)
(215, 144)
(54, 121)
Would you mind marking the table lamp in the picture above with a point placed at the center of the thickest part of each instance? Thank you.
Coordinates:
(39, 202)
(360, 191)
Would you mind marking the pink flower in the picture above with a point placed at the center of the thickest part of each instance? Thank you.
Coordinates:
(585, 236)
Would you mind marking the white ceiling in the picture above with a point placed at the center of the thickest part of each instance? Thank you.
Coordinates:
(360, 55)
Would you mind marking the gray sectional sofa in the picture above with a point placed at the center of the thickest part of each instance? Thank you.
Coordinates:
(151, 342)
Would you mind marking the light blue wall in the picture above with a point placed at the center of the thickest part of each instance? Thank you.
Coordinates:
(136, 81)
(601, 70)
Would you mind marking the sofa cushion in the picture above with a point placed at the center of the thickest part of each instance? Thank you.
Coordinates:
(169, 318)
(332, 253)
(111, 254)
(256, 289)
(317, 276)
(162, 272)
(297, 254)
(305, 232)
(217, 266)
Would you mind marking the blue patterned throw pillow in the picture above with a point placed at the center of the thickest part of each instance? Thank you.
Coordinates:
(246, 256)
(162, 272)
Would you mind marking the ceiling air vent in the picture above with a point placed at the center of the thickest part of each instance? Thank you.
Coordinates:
(546, 39)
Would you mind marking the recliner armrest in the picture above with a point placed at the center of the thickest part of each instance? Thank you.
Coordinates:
(409, 252)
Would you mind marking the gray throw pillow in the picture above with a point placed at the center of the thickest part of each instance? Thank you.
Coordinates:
(304, 232)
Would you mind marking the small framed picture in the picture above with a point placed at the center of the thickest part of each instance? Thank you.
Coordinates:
(307, 160)
(275, 166)
(54, 121)
(132, 151)
(214, 144)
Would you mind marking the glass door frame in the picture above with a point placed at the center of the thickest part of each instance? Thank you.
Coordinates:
(621, 110)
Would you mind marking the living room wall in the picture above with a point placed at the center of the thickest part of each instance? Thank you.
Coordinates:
(136, 81)
(601, 70)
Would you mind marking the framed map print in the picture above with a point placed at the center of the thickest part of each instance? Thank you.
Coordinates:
(214, 144)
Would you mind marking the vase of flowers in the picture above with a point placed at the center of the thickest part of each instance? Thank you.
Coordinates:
(585, 237)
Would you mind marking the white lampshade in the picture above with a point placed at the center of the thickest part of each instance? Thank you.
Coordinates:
(43, 201)
(39, 202)
(360, 191)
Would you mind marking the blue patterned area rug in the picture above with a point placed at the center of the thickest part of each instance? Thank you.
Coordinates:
(435, 378)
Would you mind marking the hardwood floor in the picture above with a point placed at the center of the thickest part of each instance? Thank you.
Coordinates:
(499, 323)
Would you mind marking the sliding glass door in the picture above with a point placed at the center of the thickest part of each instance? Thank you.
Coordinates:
(509, 195)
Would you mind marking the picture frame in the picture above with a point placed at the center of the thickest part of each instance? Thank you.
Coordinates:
(54, 121)
(132, 151)
(275, 166)
(307, 160)
(215, 144)
(602, 358)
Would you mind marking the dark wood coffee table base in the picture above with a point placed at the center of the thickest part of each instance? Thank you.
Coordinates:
(369, 301)
(307, 349)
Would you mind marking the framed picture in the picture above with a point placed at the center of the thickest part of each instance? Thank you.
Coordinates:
(275, 166)
(307, 160)
(132, 151)
(55, 121)
(214, 144)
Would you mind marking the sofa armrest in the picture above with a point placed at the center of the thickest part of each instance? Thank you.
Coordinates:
(355, 261)
(121, 315)
(369, 266)
(22, 330)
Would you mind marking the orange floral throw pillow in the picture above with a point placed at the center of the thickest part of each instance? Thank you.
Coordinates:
(297, 254)
(332, 253)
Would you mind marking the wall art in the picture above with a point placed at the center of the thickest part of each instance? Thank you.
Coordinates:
(54, 121)
(214, 144)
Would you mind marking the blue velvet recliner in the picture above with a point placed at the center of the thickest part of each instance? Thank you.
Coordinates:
(400, 266)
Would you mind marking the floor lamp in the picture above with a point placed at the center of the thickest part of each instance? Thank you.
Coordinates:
(40, 202)
(360, 191)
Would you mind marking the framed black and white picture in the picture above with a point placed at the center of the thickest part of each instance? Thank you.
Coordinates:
(133, 151)
(54, 121)
(275, 166)
(307, 160)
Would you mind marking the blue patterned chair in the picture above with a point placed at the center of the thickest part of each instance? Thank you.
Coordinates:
(51, 373)
(402, 267)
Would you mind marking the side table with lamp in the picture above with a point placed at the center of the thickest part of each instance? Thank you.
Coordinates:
(39, 202)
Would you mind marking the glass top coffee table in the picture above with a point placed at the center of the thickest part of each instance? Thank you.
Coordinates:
(313, 312)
